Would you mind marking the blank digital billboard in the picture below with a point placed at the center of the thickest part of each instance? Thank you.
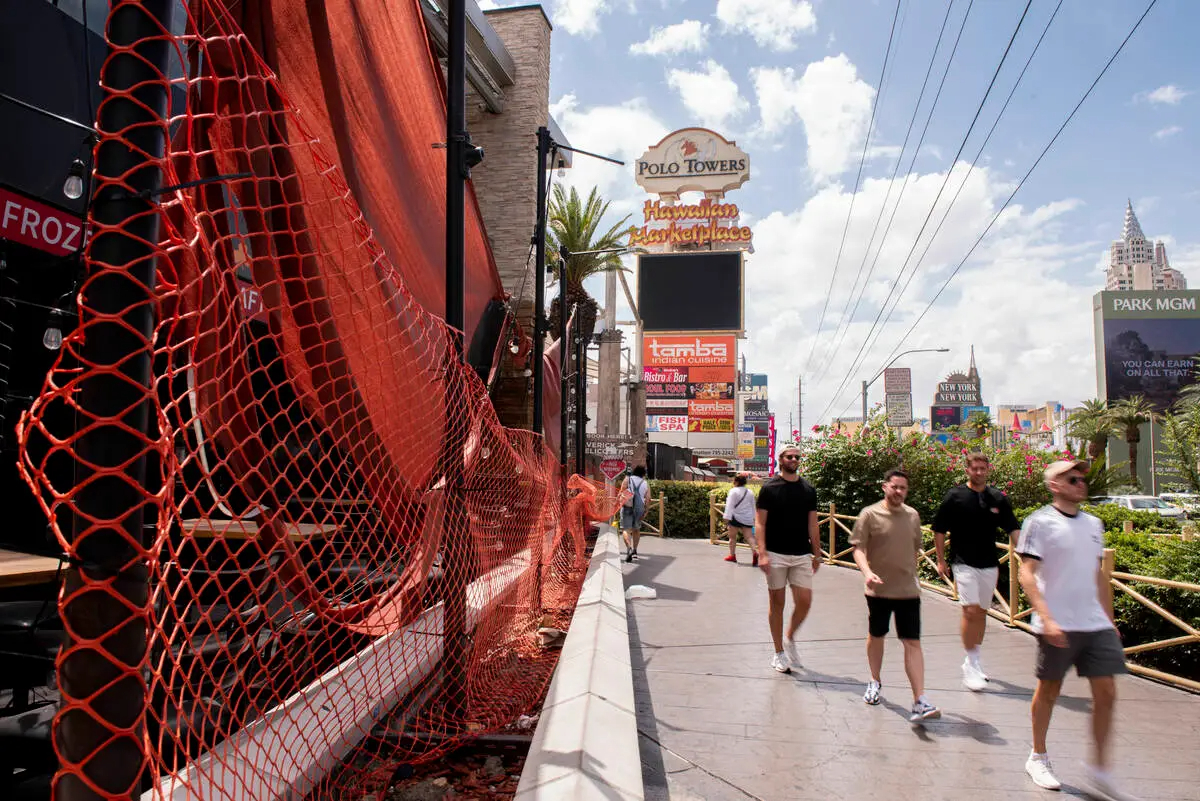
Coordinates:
(690, 292)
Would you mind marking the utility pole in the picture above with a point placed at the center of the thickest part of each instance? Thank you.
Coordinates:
(800, 404)
(539, 280)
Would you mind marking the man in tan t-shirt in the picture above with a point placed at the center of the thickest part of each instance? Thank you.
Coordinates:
(886, 540)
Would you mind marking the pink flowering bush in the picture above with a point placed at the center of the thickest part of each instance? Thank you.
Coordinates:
(847, 470)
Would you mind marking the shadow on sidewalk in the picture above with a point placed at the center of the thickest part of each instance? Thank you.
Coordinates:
(654, 771)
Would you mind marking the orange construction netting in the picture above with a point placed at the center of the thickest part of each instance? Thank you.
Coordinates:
(305, 542)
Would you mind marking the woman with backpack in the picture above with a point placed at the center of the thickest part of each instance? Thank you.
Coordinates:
(634, 510)
(739, 518)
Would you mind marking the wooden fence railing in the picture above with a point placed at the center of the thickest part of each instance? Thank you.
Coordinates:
(661, 504)
(1015, 614)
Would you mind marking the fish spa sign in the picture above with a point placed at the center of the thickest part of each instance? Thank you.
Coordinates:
(692, 160)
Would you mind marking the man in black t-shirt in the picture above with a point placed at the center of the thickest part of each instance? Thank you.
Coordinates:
(973, 514)
(789, 551)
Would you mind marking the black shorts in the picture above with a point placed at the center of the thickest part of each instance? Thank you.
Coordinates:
(1093, 654)
(908, 616)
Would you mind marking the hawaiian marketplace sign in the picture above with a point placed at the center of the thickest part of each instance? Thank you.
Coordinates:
(700, 223)
(692, 160)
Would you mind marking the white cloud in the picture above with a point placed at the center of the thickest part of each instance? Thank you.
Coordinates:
(621, 131)
(580, 17)
(689, 36)
(986, 305)
(711, 95)
(1169, 131)
(1170, 95)
(773, 23)
(832, 102)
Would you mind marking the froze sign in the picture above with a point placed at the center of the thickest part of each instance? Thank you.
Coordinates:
(38, 225)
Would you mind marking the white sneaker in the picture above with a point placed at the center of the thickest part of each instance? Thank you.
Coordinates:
(780, 663)
(871, 696)
(1100, 785)
(972, 677)
(923, 710)
(793, 653)
(1042, 772)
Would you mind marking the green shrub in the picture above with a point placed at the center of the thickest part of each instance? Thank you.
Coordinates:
(687, 506)
(847, 470)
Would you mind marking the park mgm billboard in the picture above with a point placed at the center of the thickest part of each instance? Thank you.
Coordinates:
(1147, 343)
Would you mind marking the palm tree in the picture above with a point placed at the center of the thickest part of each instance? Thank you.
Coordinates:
(981, 421)
(572, 224)
(1092, 424)
(1128, 415)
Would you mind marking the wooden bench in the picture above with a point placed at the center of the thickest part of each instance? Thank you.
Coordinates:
(248, 529)
(22, 569)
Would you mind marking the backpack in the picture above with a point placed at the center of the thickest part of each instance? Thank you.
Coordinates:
(636, 503)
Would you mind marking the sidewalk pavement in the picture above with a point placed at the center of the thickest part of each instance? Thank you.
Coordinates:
(716, 722)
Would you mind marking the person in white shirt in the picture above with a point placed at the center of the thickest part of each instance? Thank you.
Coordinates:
(739, 518)
(1061, 551)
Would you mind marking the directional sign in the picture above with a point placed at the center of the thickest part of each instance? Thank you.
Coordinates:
(611, 468)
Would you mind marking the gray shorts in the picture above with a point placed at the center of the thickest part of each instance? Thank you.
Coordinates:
(1093, 653)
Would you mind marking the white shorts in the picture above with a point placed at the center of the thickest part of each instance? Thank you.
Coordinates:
(787, 569)
(976, 585)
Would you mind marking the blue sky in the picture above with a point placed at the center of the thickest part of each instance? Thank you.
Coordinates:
(794, 82)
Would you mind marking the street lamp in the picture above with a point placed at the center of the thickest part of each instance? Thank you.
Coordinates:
(867, 384)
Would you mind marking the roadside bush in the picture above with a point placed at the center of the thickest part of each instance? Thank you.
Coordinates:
(687, 506)
(848, 470)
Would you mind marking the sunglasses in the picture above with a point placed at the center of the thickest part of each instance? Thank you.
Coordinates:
(1075, 481)
(790, 457)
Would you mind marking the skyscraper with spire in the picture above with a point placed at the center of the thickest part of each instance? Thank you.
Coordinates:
(1137, 263)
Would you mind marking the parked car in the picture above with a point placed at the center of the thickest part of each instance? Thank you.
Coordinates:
(1189, 502)
(1147, 503)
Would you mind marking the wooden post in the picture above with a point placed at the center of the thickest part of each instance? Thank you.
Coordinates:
(712, 520)
(1014, 584)
(662, 503)
(1109, 564)
(832, 531)
(1128, 527)
(1188, 533)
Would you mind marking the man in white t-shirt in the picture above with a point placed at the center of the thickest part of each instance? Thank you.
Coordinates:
(1061, 550)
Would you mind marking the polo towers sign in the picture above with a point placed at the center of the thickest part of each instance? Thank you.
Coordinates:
(692, 160)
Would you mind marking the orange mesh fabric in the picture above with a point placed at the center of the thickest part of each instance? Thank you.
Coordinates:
(305, 551)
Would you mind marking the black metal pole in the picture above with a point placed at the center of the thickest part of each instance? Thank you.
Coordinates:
(581, 377)
(539, 275)
(458, 570)
(110, 584)
(564, 352)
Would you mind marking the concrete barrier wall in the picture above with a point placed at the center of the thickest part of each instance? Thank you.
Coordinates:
(586, 742)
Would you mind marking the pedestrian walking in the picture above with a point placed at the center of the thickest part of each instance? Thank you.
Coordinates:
(789, 552)
(634, 510)
(972, 514)
(887, 539)
(1062, 552)
(739, 518)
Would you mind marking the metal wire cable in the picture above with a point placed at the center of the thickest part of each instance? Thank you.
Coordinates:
(844, 323)
(932, 207)
(857, 181)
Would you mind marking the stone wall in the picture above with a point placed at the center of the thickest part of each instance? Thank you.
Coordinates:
(506, 181)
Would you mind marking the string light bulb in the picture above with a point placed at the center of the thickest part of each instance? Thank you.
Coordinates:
(73, 186)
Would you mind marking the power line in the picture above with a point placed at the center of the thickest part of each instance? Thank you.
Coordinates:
(840, 333)
(932, 207)
(962, 184)
(1029, 172)
(857, 180)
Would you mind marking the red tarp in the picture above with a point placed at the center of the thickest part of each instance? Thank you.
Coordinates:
(363, 76)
